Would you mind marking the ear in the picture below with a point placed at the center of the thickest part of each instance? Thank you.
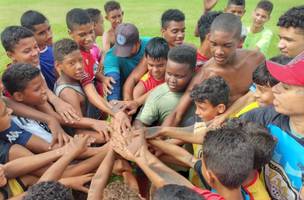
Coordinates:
(162, 30)
(18, 96)
(58, 66)
(212, 179)
(10, 55)
(221, 108)
(70, 33)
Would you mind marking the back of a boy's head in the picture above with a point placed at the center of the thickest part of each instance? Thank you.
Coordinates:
(77, 17)
(228, 155)
(261, 75)
(176, 192)
(228, 23)
(259, 137)
(214, 89)
(63, 48)
(265, 5)
(183, 54)
(94, 14)
(31, 18)
(204, 23)
(17, 76)
(171, 15)
(294, 18)
(111, 5)
(119, 190)
(157, 48)
(49, 190)
(236, 3)
(11, 36)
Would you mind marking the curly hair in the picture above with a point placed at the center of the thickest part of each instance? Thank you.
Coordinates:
(118, 190)
(294, 17)
(49, 190)
(63, 48)
(213, 89)
(204, 23)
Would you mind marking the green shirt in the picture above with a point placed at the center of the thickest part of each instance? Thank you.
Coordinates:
(263, 40)
(159, 104)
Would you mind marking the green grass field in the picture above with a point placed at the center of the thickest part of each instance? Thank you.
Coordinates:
(144, 13)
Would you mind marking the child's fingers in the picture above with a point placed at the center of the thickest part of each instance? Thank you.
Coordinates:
(83, 189)
(112, 80)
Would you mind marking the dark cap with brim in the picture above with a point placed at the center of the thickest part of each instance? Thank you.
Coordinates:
(126, 36)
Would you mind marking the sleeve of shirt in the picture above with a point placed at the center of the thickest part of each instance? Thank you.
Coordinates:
(149, 113)
(111, 69)
(262, 116)
(86, 79)
(265, 41)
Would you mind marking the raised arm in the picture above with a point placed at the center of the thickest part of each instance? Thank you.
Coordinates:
(101, 177)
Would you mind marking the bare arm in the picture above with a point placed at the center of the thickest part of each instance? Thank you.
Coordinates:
(139, 90)
(175, 151)
(133, 79)
(101, 177)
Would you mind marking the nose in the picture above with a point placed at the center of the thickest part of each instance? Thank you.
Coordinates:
(257, 94)
(180, 34)
(219, 51)
(78, 65)
(49, 34)
(281, 44)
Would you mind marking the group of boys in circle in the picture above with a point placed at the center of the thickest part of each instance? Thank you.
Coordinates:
(220, 121)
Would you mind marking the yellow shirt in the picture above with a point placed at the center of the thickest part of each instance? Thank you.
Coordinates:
(256, 189)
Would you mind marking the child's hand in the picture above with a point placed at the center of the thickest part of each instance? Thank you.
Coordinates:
(77, 182)
(107, 84)
(130, 107)
(152, 132)
(121, 121)
(57, 131)
(78, 144)
(102, 128)
(66, 111)
(3, 179)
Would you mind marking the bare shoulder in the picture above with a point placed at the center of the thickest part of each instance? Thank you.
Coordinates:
(251, 55)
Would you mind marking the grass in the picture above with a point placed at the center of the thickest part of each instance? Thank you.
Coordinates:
(144, 13)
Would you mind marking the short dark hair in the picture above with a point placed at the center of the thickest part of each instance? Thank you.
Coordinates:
(11, 36)
(294, 18)
(228, 154)
(227, 22)
(94, 14)
(265, 5)
(259, 137)
(236, 2)
(157, 48)
(31, 18)
(49, 190)
(64, 47)
(214, 89)
(183, 54)
(261, 75)
(77, 17)
(22, 72)
(111, 5)
(176, 192)
(171, 15)
(204, 23)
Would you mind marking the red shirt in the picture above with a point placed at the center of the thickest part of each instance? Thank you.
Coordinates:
(207, 194)
(150, 82)
(200, 60)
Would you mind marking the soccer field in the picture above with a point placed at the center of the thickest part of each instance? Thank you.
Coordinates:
(144, 13)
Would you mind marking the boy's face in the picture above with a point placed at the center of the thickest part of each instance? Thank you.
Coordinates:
(223, 46)
(157, 67)
(25, 51)
(207, 112)
(288, 99)
(178, 75)
(174, 33)
(263, 95)
(291, 41)
(115, 17)
(43, 35)
(83, 35)
(34, 94)
(5, 116)
(260, 17)
(72, 65)
(98, 27)
(236, 10)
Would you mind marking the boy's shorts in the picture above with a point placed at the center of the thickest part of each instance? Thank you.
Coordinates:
(4, 151)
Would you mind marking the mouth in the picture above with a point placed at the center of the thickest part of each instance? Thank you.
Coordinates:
(219, 59)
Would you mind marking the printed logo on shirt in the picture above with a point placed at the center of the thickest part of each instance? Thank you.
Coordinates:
(12, 136)
(278, 184)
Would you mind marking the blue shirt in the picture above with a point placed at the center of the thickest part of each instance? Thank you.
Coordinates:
(284, 175)
(119, 68)
(15, 135)
(47, 66)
